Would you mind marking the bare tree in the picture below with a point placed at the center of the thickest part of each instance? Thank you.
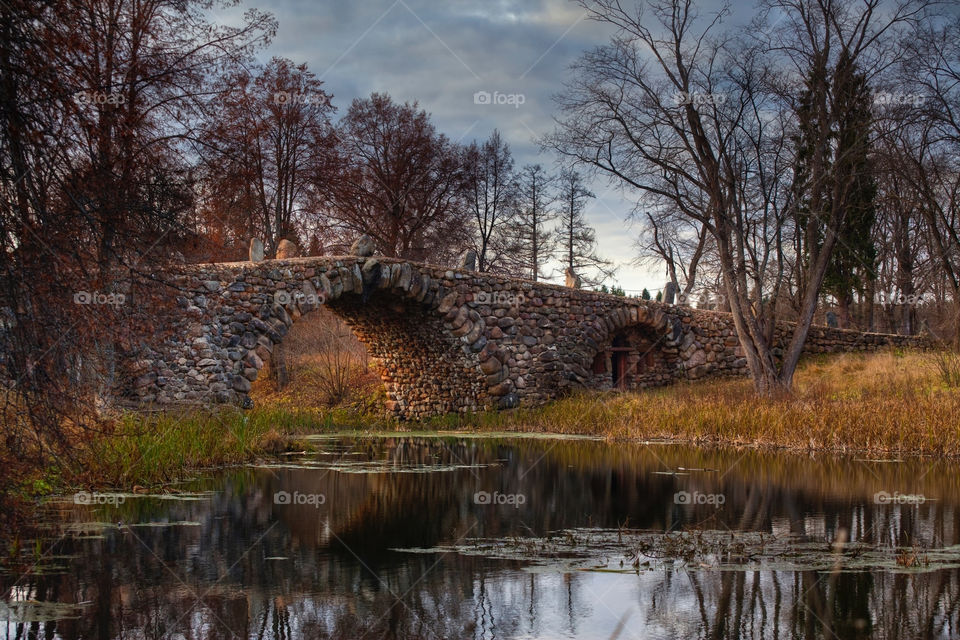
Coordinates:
(673, 240)
(399, 180)
(578, 240)
(904, 263)
(680, 112)
(932, 76)
(99, 104)
(492, 192)
(536, 242)
(269, 141)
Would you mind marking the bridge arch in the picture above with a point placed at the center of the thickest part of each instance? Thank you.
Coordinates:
(424, 365)
(427, 344)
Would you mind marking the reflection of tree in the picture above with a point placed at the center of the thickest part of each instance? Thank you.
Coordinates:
(262, 570)
(770, 604)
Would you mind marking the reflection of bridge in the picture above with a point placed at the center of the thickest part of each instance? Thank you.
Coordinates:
(444, 339)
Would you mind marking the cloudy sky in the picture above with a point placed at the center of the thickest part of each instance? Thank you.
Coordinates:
(442, 54)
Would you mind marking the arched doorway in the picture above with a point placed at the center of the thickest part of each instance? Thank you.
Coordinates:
(634, 358)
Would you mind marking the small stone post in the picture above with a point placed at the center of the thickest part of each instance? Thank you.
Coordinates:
(468, 260)
(287, 249)
(256, 250)
(363, 246)
(669, 293)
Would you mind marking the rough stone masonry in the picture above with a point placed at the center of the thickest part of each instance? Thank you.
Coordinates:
(444, 340)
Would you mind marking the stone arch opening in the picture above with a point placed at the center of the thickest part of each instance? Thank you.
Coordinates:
(634, 357)
(424, 368)
(420, 365)
(425, 348)
(320, 363)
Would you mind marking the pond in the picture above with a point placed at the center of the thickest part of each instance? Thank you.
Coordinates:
(502, 536)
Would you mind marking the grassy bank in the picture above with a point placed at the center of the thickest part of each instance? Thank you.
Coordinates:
(892, 403)
(884, 403)
(881, 404)
(148, 452)
(153, 449)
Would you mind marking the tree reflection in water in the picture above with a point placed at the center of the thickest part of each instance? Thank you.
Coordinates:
(239, 565)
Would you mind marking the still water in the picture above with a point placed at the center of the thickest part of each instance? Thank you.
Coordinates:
(457, 536)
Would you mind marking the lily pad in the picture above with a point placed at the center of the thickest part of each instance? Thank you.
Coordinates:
(628, 551)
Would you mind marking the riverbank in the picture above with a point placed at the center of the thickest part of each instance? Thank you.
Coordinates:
(149, 452)
(892, 403)
(886, 404)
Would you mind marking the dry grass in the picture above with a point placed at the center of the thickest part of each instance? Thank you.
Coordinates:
(885, 404)
(310, 386)
(889, 403)
(948, 367)
(321, 364)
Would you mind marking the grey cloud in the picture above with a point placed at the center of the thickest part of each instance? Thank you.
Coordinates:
(508, 46)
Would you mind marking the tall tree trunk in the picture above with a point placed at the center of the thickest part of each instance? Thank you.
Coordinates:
(757, 351)
(791, 356)
(843, 307)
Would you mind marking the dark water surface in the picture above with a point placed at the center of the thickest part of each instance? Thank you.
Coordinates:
(401, 536)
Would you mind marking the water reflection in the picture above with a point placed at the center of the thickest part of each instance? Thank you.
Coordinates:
(241, 562)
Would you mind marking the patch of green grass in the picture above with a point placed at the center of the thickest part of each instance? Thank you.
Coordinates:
(149, 449)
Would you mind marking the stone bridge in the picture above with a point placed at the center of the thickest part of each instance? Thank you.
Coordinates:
(444, 340)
